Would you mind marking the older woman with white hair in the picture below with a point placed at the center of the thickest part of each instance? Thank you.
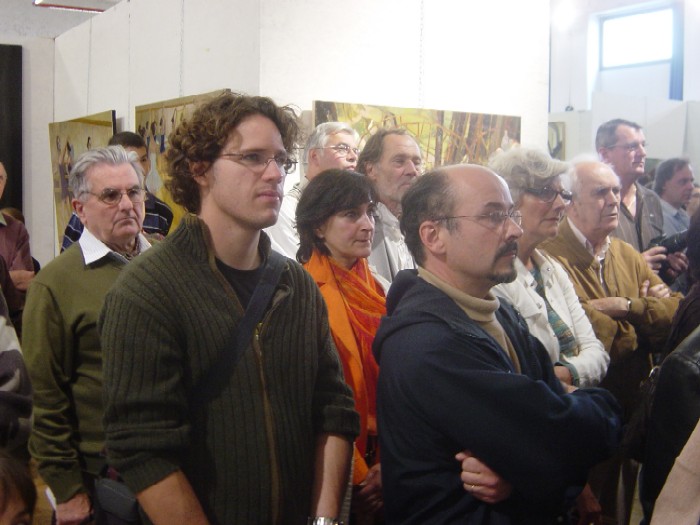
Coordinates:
(542, 291)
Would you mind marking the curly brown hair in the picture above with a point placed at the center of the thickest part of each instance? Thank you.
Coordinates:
(198, 141)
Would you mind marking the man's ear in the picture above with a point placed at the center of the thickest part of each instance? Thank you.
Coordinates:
(198, 169)
(603, 155)
(313, 156)
(430, 236)
(79, 208)
(369, 170)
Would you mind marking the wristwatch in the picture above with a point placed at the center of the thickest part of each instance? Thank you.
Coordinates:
(318, 520)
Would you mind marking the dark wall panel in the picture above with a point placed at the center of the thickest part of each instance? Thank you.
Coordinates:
(11, 122)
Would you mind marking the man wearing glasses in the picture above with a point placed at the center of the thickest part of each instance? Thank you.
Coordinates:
(332, 145)
(200, 438)
(158, 217)
(460, 371)
(621, 144)
(61, 342)
(628, 305)
(392, 159)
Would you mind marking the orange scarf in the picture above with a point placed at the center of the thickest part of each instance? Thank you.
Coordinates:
(356, 304)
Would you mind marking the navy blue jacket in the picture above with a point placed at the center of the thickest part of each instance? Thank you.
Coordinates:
(445, 385)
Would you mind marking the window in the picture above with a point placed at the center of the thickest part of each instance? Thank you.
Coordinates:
(637, 39)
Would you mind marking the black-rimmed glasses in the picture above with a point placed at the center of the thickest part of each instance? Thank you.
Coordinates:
(256, 163)
(548, 194)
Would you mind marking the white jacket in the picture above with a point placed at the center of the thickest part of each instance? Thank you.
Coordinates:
(591, 363)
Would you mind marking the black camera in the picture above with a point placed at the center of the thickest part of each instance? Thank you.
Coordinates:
(673, 243)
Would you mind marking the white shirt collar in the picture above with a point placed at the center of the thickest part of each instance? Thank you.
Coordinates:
(587, 245)
(94, 249)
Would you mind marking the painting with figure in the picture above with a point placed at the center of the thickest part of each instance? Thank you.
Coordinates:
(155, 122)
(556, 140)
(444, 136)
(67, 141)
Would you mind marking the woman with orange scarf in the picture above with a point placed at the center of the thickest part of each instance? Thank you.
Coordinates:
(335, 221)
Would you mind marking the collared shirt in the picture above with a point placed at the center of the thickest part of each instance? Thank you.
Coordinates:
(676, 220)
(94, 249)
(389, 251)
(283, 235)
(157, 220)
(599, 257)
(647, 223)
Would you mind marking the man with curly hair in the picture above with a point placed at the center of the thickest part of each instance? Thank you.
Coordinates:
(268, 438)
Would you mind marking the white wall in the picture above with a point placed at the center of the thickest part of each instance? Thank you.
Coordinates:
(415, 53)
(37, 111)
(574, 69)
(671, 128)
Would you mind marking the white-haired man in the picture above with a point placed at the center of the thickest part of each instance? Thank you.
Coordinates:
(332, 145)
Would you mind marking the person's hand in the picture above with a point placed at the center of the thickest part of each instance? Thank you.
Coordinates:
(367, 496)
(21, 279)
(75, 511)
(655, 257)
(659, 290)
(564, 375)
(480, 481)
(678, 262)
(589, 510)
(615, 307)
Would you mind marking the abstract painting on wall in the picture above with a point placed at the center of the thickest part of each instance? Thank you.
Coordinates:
(68, 140)
(444, 136)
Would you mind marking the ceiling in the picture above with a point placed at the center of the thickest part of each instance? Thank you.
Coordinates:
(19, 18)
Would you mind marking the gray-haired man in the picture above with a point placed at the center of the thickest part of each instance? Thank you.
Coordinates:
(332, 145)
(61, 342)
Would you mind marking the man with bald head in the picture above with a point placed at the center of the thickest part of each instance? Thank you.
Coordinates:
(459, 371)
(332, 145)
(629, 306)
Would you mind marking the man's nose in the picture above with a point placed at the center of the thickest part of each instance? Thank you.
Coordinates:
(125, 202)
(274, 172)
(412, 168)
(513, 229)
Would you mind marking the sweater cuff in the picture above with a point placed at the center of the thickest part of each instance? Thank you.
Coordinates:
(339, 420)
(149, 472)
(63, 483)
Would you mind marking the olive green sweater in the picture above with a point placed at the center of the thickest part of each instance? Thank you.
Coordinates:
(248, 452)
(62, 351)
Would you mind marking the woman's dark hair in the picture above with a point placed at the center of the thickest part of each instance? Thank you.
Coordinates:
(15, 479)
(330, 192)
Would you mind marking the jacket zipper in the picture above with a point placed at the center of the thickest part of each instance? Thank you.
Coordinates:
(270, 429)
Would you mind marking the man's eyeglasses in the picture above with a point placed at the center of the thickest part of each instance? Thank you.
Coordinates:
(112, 196)
(493, 220)
(630, 147)
(548, 194)
(343, 150)
(256, 163)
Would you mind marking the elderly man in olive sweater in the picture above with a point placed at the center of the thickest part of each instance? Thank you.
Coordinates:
(272, 442)
(61, 343)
